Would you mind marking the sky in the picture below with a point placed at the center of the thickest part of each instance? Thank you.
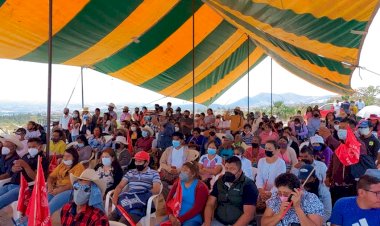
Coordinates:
(27, 82)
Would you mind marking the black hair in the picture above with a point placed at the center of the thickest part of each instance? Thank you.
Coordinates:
(247, 125)
(83, 138)
(283, 137)
(307, 149)
(287, 180)
(366, 181)
(60, 132)
(288, 128)
(197, 129)
(35, 139)
(235, 160)
(178, 134)
(272, 142)
(351, 122)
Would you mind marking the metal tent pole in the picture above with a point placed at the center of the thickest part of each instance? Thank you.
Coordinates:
(248, 73)
(81, 76)
(50, 60)
(271, 86)
(193, 52)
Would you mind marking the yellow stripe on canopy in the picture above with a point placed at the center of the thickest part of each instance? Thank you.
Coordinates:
(24, 24)
(143, 18)
(325, 49)
(322, 73)
(207, 66)
(359, 10)
(173, 49)
(230, 77)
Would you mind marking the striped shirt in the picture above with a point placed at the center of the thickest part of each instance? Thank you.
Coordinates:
(141, 181)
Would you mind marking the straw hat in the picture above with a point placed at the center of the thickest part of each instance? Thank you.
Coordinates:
(112, 105)
(85, 109)
(13, 139)
(121, 139)
(147, 128)
(89, 175)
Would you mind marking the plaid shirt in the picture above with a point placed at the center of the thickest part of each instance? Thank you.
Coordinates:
(90, 216)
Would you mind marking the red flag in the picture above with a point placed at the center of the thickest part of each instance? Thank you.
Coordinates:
(23, 196)
(53, 163)
(129, 141)
(349, 152)
(38, 207)
(175, 203)
(126, 215)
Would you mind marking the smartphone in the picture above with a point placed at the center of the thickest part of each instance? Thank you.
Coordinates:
(290, 198)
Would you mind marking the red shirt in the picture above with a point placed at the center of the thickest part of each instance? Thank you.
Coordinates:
(145, 144)
(89, 216)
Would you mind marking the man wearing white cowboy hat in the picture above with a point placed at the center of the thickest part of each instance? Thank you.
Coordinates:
(8, 155)
(122, 153)
(87, 205)
(111, 107)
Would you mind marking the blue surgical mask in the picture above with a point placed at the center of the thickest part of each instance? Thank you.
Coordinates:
(364, 131)
(342, 134)
(5, 151)
(317, 148)
(176, 143)
(106, 161)
(81, 197)
(144, 133)
(211, 151)
(184, 177)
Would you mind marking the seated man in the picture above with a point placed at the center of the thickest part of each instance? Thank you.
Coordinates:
(8, 155)
(87, 205)
(173, 158)
(197, 140)
(57, 145)
(27, 165)
(363, 209)
(142, 183)
(233, 198)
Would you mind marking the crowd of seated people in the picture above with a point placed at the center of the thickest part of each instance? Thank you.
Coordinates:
(225, 169)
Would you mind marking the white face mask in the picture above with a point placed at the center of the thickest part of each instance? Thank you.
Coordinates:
(33, 152)
(67, 162)
(176, 128)
(133, 128)
(75, 115)
(5, 151)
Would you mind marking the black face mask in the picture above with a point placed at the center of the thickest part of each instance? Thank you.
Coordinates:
(306, 161)
(229, 177)
(255, 145)
(316, 115)
(117, 146)
(269, 153)
(186, 116)
(140, 167)
(212, 134)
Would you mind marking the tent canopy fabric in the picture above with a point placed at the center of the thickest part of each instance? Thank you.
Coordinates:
(149, 42)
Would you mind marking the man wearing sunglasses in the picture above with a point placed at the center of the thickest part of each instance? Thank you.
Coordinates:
(361, 210)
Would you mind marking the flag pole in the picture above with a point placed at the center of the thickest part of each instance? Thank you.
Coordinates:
(50, 61)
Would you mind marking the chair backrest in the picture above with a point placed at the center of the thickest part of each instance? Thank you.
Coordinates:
(2, 182)
(194, 154)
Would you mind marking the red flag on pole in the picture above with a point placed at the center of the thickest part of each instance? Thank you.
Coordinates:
(38, 207)
(23, 196)
(53, 163)
(129, 141)
(126, 215)
(349, 152)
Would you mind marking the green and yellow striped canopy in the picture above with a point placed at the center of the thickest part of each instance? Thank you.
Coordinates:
(149, 42)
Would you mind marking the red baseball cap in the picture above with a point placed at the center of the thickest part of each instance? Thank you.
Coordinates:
(142, 156)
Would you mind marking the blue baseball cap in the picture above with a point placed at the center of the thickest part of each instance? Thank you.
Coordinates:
(305, 171)
(365, 124)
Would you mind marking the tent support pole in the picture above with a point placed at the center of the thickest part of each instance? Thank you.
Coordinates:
(50, 60)
(81, 76)
(271, 86)
(248, 73)
(193, 52)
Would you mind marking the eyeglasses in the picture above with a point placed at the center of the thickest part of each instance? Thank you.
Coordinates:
(85, 188)
(377, 193)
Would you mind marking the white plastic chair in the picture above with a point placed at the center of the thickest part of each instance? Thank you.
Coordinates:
(145, 221)
(2, 182)
(15, 213)
(194, 154)
(115, 223)
(215, 178)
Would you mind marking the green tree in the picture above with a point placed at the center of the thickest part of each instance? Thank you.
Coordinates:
(367, 94)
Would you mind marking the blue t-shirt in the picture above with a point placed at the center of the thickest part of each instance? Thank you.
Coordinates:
(346, 212)
(188, 201)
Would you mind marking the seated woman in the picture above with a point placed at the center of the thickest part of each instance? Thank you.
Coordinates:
(59, 185)
(97, 141)
(122, 154)
(255, 153)
(287, 153)
(84, 149)
(193, 199)
(109, 169)
(210, 164)
(144, 143)
(306, 208)
(226, 150)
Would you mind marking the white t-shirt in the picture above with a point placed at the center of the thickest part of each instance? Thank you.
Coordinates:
(337, 108)
(177, 158)
(246, 166)
(64, 121)
(267, 173)
(24, 150)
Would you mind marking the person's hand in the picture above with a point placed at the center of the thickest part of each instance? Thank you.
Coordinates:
(55, 191)
(283, 207)
(296, 198)
(16, 169)
(50, 188)
(324, 132)
(328, 182)
(299, 164)
(114, 200)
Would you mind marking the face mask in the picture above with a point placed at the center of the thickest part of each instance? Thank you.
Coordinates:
(283, 198)
(317, 148)
(33, 152)
(75, 115)
(336, 127)
(55, 140)
(269, 153)
(316, 115)
(81, 197)
(342, 134)
(67, 162)
(80, 145)
(229, 177)
(140, 167)
(255, 145)
(176, 143)
(117, 146)
(364, 131)
(306, 161)
(212, 134)
(144, 133)
(176, 129)
(211, 151)
(133, 128)
(186, 116)
(282, 145)
(5, 151)
(106, 161)
(184, 177)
